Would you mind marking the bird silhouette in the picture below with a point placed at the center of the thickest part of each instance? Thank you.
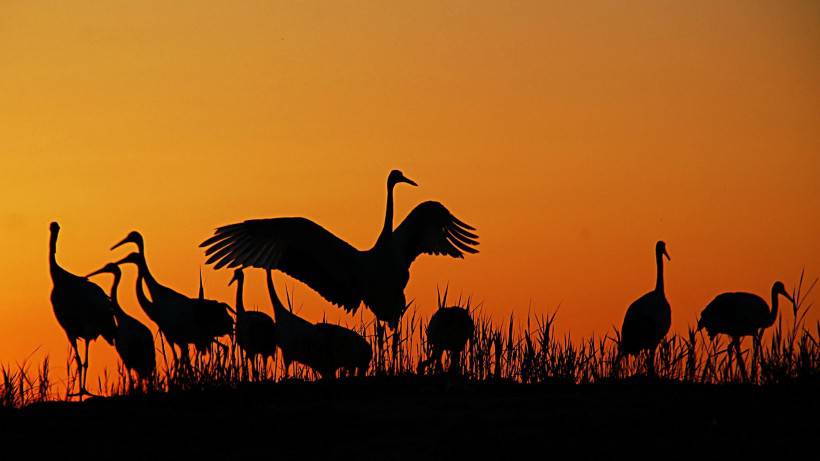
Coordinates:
(255, 331)
(133, 340)
(648, 318)
(339, 272)
(449, 330)
(82, 309)
(337, 348)
(741, 314)
(295, 336)
(181, 319)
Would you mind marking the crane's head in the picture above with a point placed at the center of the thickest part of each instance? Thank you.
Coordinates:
(54, 227)
(396, 177)
(660, 249)
(238, 276)
(779, 289)
(110, 268)
(132, 237)
(132, 258)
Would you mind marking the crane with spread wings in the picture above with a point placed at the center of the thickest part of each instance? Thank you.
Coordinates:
(340, 273)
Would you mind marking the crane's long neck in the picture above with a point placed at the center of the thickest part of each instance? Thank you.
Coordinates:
(142, 268)
(240, 288)
(659, 263)
(278, 308)
(773, 313)
(52, 254)
(387, 229)
(114, 301)
(145, 303)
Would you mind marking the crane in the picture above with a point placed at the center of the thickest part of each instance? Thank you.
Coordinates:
(648, 319)
(255, 331)
(741, 314)
(340, 273)
(133, 340)
(82, 309)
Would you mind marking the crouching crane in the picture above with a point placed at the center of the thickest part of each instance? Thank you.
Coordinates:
(449, 329)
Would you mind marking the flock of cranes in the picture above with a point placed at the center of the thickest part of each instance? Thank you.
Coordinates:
(344, 276)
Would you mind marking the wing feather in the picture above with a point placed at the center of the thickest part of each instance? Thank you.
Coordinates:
(296, 246)
(431, 229)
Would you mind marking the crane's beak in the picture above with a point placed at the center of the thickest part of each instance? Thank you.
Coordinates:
(96, 272)
(666, 254)
(124, 260)
(408, 181)
(788, 296)
(233, 279)
(122, 242)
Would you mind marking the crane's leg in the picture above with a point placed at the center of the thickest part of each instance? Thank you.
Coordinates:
(379, 345)
(455, 362)
(740, 364)
(85, 369)
(79, 361)
(650, 362)
(287, 368)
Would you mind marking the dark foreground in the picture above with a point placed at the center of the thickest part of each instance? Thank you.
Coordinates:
(426, 419)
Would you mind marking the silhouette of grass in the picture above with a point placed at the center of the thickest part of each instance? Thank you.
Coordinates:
(526, 351)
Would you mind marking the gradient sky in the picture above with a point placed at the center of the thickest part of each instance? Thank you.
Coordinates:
(572, 136)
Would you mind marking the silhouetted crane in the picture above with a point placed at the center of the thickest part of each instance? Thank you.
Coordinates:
(648, 318)
(133, 340)
(294, 335)
(449, 330)
(255, 331)
(181, 319)
(82, 309)
(339, 272)
(741, 314)
(337, 348)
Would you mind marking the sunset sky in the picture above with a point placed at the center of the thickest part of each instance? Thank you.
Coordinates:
(572, 137)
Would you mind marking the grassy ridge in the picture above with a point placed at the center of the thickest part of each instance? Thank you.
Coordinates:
(522, 351)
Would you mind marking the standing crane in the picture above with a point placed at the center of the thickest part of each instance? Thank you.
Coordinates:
(82, 309)
(133, 340)
(648, 318)
(255, 331)
(741, 314)
(339, 272)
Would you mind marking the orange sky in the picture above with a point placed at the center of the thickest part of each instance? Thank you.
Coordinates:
(572, 137)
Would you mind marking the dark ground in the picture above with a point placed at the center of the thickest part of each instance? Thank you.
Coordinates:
(425, 418)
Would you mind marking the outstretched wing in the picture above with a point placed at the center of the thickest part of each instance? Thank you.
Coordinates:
(296, 246)
(430, 228)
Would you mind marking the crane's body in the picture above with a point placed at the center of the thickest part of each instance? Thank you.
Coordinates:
(337, 348)
(738, 314)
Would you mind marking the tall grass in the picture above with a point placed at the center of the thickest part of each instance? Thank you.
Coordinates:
(524, 350)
